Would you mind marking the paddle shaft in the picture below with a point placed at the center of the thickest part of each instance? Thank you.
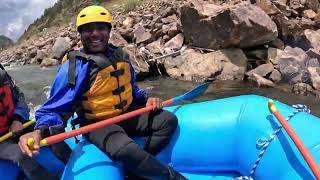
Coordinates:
(297, 141)
(85, 129)
(10, 134)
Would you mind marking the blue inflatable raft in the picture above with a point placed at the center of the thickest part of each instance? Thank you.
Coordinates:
(219, 139)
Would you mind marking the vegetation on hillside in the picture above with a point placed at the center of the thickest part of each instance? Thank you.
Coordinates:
(64, 11)
(130, 5)
(61, 13)
(5, 42)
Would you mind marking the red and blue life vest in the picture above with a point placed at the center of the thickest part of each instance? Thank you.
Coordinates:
(6, 101)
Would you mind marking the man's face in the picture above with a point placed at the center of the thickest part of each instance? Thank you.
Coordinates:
(95, 37)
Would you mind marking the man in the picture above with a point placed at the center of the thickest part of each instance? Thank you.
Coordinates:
(98, 82)
(13, 112)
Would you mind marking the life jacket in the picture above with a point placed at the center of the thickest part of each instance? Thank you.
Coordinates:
(110, 91)
(6, 101)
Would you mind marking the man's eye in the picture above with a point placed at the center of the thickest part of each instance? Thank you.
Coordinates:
(101, 27)
(87, 29)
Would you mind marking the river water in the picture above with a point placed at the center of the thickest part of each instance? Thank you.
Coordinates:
(36, 82)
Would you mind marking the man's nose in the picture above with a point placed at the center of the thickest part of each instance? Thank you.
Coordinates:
(94, 31)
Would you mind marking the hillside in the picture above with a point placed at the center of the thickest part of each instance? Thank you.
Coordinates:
(5, 42)
(63, 12)
(60, 14)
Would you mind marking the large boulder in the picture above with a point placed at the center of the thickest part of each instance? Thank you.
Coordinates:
(213, 26)
(174, 44)
(140, 66)
(311, 39)
(117, 40)
(261, 70)
(49, 62)
(261, 82)
(60, 47)
(315, 77)
(292, 65)
(195, 66)
(142, 35)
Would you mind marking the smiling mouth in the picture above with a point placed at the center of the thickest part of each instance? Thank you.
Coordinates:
(96, 42)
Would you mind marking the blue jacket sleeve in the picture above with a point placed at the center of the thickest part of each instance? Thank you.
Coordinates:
(62, 95)
(139, 95)
(21, 110)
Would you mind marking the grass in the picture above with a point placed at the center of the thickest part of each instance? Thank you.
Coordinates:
(130, 5)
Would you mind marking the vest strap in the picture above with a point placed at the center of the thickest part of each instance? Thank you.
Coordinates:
(121, 105)
(118, 91)
(100, 60)
(117, 73)
(72, 68)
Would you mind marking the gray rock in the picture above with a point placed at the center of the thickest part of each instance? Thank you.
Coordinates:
(261, 82)
(275, 76)
(315, 77)
(231, 72)
(216, 27)
(141, 35)
(175, 43)
(302, 88)
(274, 55)
(128, 22)
(140, 66)
(261, 70)
(40, 55)
(155, 47)
(193, 66)
(117, 40)
(170, 19)
(234, 55)
(49, 62)
(60, 47)
(311, 39)
(32, 53)
(309, 13)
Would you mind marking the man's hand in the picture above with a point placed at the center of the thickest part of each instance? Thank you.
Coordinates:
(16, 128)
(23, 143)
(155, 102)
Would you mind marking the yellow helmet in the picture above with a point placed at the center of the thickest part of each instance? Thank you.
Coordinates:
(93, 14)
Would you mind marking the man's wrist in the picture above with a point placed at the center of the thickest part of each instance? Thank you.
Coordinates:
(43, 130)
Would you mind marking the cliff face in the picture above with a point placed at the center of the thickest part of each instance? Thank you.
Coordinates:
(5, 42)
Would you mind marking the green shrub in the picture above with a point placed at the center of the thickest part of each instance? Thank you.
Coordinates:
(130, 5)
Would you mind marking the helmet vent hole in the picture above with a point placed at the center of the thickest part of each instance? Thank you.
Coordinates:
(103, 13)
(83, 15)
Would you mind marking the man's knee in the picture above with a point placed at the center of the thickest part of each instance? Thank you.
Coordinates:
(102, 136)
(118, 145)
(131, 155)
(169, 121)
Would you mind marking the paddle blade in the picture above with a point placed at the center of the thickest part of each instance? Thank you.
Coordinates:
(193, 93)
